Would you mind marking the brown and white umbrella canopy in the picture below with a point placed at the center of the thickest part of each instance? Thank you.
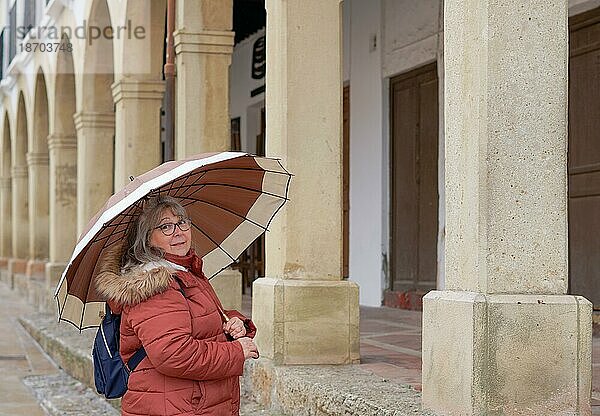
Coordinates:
(230, 197)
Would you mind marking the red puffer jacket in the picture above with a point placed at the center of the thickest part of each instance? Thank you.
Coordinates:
(190, 368)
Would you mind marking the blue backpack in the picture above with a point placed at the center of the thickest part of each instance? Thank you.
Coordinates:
(110, 372)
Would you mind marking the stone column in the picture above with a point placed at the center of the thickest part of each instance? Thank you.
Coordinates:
(137, 135)
(203, 48)
(38, 205)
(95, 147)
(6, 219)
(504, 338)
(63, 203)
(5, 228)
(17, 265)
(37, 291)
(306, 313)
(20, 211)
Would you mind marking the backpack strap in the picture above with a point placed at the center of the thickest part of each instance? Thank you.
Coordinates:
(136, 358)
(178, 280)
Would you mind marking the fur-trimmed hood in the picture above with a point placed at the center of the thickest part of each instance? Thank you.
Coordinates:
(135, 286)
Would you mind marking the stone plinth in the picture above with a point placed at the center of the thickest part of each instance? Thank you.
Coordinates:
(506, 354)
(305, 321)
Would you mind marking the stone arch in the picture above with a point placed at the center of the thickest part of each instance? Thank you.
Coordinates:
(95, 121)
(19, 173)
(98, 65)
(64, 92)
(37, 161)
(62, 144)
(5, 191)
(132, 52)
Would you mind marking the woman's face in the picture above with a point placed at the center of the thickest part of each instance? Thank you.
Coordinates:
(178, 243)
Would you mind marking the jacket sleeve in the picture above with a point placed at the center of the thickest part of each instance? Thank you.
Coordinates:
(250, 327)
(163, 325)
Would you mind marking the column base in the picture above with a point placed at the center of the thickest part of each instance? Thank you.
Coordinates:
(228, 285)
(4, 275)
(17, 275)
(306, 322)
(37, 288)
(506, 354)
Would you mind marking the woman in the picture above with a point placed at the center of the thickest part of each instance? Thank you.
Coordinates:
(169, 308)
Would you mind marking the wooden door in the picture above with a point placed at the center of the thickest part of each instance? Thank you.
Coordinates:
(414, 181)
(584, 156)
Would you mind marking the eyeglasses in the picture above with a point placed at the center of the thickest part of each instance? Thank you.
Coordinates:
(168, 228)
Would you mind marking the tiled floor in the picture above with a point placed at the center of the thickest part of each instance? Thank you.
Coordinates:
(391, 347)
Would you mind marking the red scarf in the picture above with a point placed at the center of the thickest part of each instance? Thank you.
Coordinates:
(190, 261)
(193, 263)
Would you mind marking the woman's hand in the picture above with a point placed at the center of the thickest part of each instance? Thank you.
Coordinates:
(249, 347)
(235, 327)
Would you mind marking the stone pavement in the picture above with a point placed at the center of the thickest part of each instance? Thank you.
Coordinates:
(20, 357)
(32, 384)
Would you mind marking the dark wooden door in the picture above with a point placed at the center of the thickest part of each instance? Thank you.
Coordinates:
(414, 182)
(584, 156)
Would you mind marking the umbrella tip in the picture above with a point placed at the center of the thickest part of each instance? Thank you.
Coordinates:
(131, 178)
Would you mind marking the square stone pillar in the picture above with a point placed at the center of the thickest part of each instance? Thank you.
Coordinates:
(38, 194)
(504, 338)
(137, 135)
(203, 49)
(6, 218)
(5, 228)
(63, 208)
(20, 213)
(305, 312)
(228, 286)
(95, 147)
(63, 195)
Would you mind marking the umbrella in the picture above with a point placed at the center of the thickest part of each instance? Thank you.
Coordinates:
(231, 198)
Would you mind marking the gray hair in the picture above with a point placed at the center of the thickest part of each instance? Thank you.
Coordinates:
(139, 249)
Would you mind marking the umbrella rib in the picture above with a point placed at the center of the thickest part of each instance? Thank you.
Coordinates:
(227, 210)
(104, 245)
(257, 169)
(61, 310)
(213, 241)
(247, 189)
(287, 188)
(172, 184)
(184, 185)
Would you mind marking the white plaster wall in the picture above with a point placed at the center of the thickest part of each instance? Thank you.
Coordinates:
(366, 150)
(241, 104)
(580, 6)
(410, 34)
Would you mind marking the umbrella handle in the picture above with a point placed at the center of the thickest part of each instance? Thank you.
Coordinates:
(225, 319)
